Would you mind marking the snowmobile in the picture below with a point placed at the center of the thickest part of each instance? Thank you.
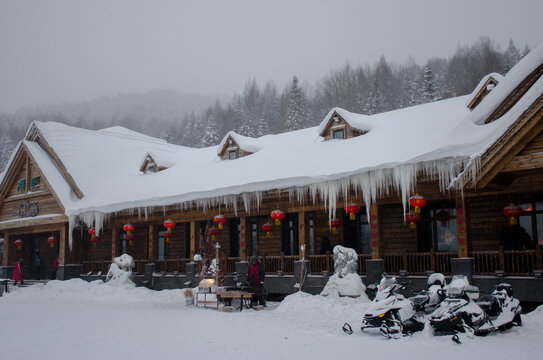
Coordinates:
(458, 312)
(428, 300)
(501, 307)
(390, 312)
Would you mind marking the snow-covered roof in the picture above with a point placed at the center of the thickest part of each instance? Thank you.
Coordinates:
(491, 79)
(442, 138)
(356, 121)
(244, 142)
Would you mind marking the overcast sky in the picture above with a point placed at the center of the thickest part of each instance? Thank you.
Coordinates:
(56, 51)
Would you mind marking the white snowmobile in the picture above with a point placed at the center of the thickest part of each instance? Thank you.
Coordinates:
(428, 300)
(501, 307)
(390, 312)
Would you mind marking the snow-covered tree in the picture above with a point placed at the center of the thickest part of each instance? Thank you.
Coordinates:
(6, 148)
(511, 56)
(297, 107)
(429, 89)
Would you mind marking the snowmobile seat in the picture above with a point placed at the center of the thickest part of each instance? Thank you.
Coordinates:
(490, 305)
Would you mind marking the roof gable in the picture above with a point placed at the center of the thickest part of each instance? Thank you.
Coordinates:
(243, 145)
(354, 123)
(485, 86)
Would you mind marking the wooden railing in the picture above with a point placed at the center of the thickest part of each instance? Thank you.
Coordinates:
(362, 263)
(283, 263)
(419, 263)
(171, 265)
(511, 262)
(231, 264)
(95, 266)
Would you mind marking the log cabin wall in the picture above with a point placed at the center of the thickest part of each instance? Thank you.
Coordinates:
(322, 229)
(349, 131)
(396, 235)
(177, 245)
(102, 250)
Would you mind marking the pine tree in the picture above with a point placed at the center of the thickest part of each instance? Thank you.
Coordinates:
(211, 133)
(429, 90)
(511, 56)
(6, 148)
(297, 108)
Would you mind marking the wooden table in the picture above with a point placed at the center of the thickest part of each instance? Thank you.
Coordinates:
(227, 296)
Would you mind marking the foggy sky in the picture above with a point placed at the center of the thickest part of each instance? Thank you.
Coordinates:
(57, 51)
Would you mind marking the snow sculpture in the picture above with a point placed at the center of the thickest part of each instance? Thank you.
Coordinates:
(345, 261)
(345, 281)
(120, 270)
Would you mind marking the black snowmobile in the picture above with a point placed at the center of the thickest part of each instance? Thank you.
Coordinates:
(501, 307)
(390, 312)
(428, 300)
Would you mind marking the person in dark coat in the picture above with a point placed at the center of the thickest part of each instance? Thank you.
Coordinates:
(255, 277)
(37, 265)
(326, 246)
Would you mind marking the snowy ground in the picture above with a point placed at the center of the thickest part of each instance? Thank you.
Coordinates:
(79, 320)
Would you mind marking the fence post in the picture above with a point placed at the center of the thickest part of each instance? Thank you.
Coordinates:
(404, 261)
(433, 259)
(327, 258)
(539, 257)
(282, 262)
(501, 258)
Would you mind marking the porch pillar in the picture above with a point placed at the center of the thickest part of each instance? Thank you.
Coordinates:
(376, 241)
(192, 240)
(151, 239)
(302, 234)
(242, 238)
(114, 236)
(462, 235)
(62, 246)
(7, 253)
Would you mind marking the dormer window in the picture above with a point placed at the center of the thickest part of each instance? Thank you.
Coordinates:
(151, 168)
(232, 154)
(339, 134)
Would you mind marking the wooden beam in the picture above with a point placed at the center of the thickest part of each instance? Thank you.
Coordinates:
(152, 238)
(525, 162)
(63, 245)
(192, 240)
(302, 236)
(7, 252)
(376, 236)
(114, 242)
(32, 222)
(461, 228)
(244, 228)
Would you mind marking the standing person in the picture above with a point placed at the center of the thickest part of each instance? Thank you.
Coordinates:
(37, 265)
(326, 246)
(255, 277)
(18, 272)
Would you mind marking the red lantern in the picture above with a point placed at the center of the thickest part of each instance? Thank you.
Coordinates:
(334, 224)
(220, 220)
(512, 212)
(92, 233)
(268, 227)
(52, 241)
(213, 232)
(129, 228)
(94, 240)
(277, 215)
(19, 243)
(352, 209)
(443, 216)
(413, 218)
(167, 235)
(417, 201)
(130, 238)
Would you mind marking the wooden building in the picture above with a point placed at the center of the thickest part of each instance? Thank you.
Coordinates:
(470, 157)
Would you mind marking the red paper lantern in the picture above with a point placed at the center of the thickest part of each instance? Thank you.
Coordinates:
(129, 228)
(213, 232)
(352, 209)
(19, 243)
(167, 235)
(268, 227)
(52, 241)
(130, 238)
(92, 233)
(417, 201)
(334, 224)
(94, 240)
(277, 215)
(220, 220)
(169, 224)
(512, 212)
(413, 218)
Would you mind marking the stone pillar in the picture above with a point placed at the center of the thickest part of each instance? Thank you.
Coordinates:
(374, 270)
(463, 266)
(301, 274)
(71, 271)
(376, 242)
(242, 268)
(148, 274)
(192, 273)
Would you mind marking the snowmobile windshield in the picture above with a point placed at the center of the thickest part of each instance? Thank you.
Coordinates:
(387, 282)
(454, 292)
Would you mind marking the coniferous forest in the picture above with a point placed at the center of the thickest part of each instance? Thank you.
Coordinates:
(260, 109)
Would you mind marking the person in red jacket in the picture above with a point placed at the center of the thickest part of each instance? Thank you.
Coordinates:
(255, 277)
(18, 272)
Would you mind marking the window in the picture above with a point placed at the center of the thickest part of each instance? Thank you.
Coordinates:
(254, 237)
(529, 233)
(437, 229)
(35, 182)
(21, 184)
(162, 246)
(232, 154)
(338, 134)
